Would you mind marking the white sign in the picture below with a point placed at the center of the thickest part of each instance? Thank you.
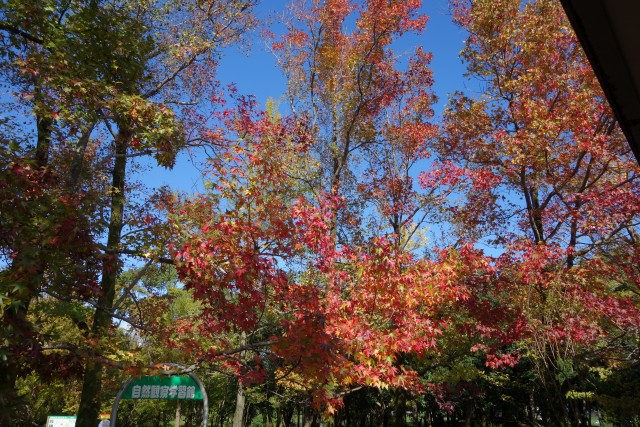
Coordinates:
(61, 421)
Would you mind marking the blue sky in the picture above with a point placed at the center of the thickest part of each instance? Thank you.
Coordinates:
(257, 74)
(254, 72)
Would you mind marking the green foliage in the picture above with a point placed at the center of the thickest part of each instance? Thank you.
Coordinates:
(619, 396)
(56, 396)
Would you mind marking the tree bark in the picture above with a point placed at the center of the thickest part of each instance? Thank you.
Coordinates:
(238, 415)
(310, 417)
(177, 420)
(90, 400)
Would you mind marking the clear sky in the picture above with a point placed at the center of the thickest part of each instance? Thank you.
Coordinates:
(254, 72)
(257, 74)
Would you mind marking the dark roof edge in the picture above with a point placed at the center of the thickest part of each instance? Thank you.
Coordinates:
(595, 32)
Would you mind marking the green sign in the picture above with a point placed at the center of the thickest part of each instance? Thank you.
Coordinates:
(61, 421)
(164, 388)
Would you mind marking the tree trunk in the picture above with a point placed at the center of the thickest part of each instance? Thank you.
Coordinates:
(238, 416)
(400, 412)
(287, 415)
(90, 399)
(177, 421)
(78, 157)
(310, 417)
(534, 211)
(468, 413)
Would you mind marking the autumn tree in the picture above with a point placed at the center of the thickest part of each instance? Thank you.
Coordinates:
(549, 178)
(310, 218)
(107, 81)
(370, 116)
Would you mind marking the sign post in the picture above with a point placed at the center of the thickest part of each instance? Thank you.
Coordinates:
(183, 387)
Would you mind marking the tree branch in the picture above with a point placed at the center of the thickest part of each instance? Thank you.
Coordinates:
(11, 29)
(141, 254)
